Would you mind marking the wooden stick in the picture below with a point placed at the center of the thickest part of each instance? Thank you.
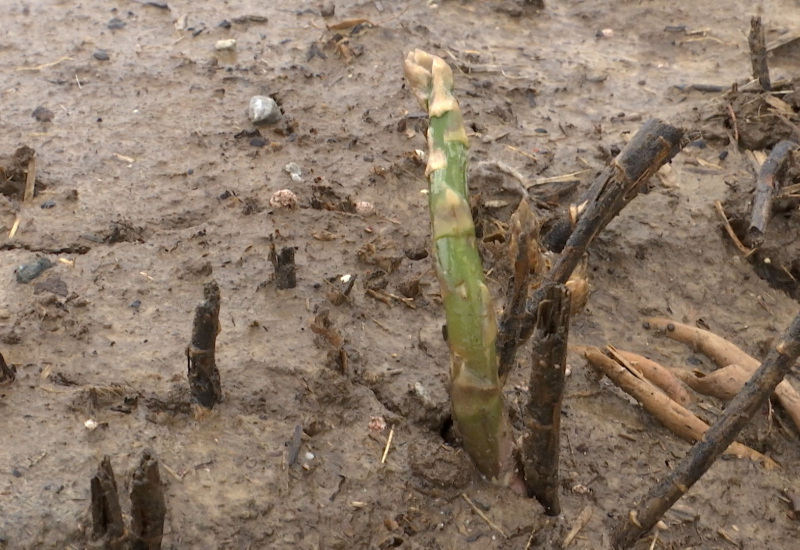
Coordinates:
(718, 438)
(658, 375)
(106, 513)
(679, 420)
(655, 144)
(580, 522)
(204, 381)
(767, 188)
(30, 180)
(758, 53)
(723, 384)
(731, 233)
(283, 263)
(541, 441)
(148, 506)
(483, 516)
(724, 353)
(388, 445)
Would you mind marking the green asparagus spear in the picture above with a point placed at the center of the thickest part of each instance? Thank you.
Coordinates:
(475, 388)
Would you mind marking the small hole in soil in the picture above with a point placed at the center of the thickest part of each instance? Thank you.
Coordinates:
(447, 432)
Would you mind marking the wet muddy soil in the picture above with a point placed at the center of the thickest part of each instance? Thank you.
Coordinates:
(150, 181)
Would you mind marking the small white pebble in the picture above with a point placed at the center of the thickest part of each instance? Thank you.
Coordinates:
(364, 208)
(294, 171)
(309, 456)
(377, 424)
(607, 33)
(91, 425)
(285, 198)
(345, 278)
(227, 44)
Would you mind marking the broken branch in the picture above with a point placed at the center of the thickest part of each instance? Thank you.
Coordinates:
(767, 188)
(106, 513)
(148, 507)
(204, 381)
(541, 441)
(758, 53)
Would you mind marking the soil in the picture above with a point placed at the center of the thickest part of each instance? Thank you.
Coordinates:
(151, 181)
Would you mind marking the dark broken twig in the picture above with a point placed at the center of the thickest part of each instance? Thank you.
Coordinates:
(758, 53)
(768, 185)
(148, 505)
(718, 437)
(204, 381)
(541, 441)
(283, 263)
(107, 521)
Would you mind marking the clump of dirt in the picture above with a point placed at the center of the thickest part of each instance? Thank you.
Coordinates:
(14, 173)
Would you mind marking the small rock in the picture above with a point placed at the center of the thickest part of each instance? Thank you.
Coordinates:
(605, 33)
(136, 304)
(101, 55)
(295, 172)
(52, 284)
(263, 110)
(42, 114)
(226, 44)
(224, 24)
(328, 9)
(115, 23)
(364, 208)
(377, 424)
(285, 198)
(46, 205)
(28, 272)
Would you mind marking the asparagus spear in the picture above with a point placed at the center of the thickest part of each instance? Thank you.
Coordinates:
(475, 388)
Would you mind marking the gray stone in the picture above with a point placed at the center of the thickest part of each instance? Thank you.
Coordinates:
(263, 110)
(28, 272)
